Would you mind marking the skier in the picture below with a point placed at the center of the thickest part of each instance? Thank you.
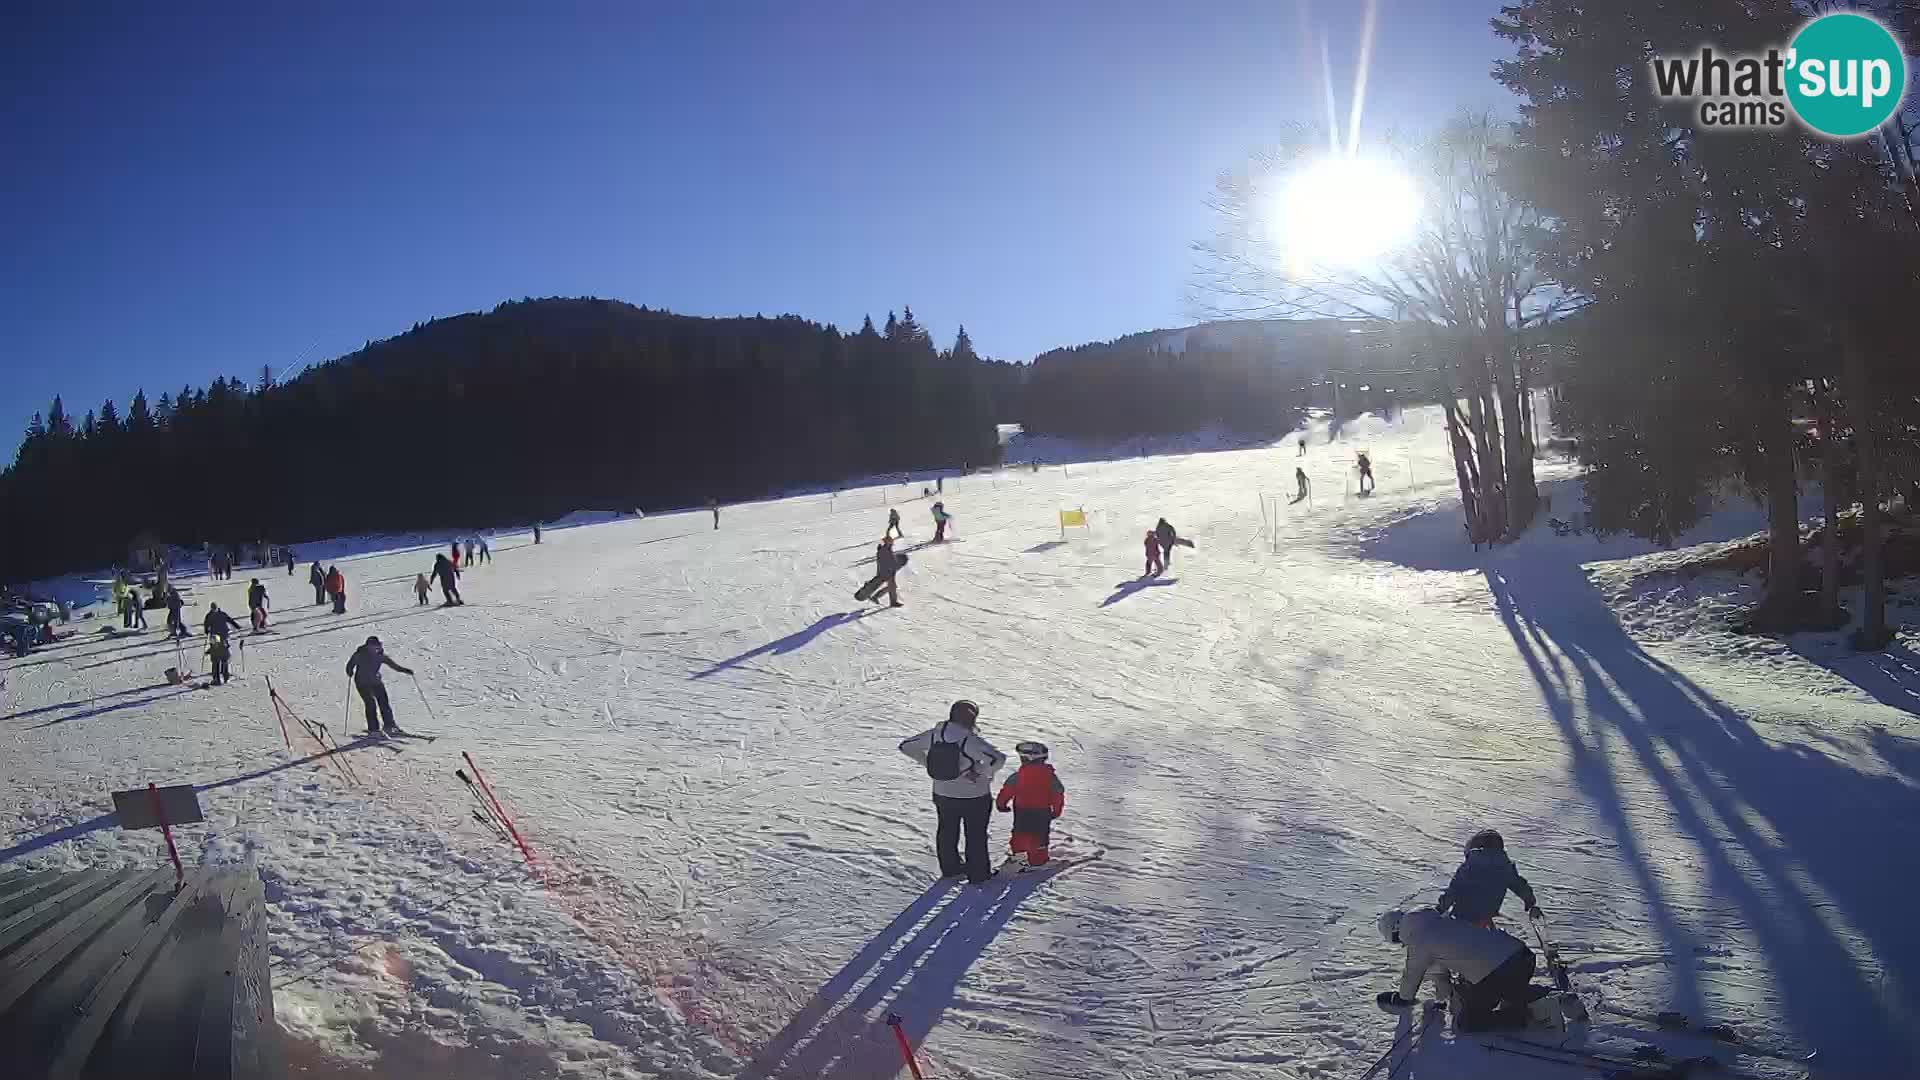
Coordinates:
(455, 546)
(1482, 882)
(337, 588)
(893, 523)
(486, 553)
(318, 580)
(136, 610)
(364, 667)
(1483, 974)
(470, 551)
(1036, 796)
(287, 553)
(420, 590)
(447, 574)
(962, 765)
(1155, 564)
(176, 625)
(257, 605)
(1303, 447)
(1299, 483)
(886, 573)
(1365, 464)
(536, 532)
(714, 505)
(940, 519)
(217, 626)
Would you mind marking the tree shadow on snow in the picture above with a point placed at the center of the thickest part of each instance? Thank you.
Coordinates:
(1128, 588)
(1047, 546)
(1788, 835)
(797, 639)
(917, 964)
(1891, 677)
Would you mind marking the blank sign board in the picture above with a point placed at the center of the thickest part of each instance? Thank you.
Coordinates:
(134, 809)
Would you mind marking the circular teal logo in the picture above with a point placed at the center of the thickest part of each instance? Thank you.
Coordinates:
(1846, 74)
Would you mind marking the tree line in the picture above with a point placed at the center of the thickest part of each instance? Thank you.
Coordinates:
(540, 407)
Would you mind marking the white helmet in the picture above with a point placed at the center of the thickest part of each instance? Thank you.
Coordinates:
(1389, 925)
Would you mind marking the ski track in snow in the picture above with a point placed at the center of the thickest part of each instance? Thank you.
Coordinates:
(695, 730)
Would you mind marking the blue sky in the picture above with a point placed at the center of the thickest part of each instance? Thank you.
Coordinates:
(200, 194)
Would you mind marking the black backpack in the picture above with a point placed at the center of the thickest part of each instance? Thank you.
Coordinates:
(943, 758)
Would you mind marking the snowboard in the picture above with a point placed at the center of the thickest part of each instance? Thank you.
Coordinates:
(865, 592)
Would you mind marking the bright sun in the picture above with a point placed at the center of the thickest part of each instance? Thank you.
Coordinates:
(1343, 212)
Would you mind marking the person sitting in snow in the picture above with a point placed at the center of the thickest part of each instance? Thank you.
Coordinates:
(1036, 796)
(1484, 975)
(1481, 883)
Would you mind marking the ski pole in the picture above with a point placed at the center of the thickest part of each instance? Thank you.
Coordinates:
(906, 1050)
(423, 698)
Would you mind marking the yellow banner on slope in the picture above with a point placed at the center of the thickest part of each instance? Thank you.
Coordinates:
(1076, 519)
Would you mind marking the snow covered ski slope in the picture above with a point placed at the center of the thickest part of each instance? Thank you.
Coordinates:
(695, 733)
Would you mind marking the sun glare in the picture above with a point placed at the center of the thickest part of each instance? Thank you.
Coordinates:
(1343, 212)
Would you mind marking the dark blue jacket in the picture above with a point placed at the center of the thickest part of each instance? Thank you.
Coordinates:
(1481, 884)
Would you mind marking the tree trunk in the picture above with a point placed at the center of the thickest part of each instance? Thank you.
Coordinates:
(1778, 610)
(1873, 633)
(1521, 495)
(1462, 471)
(1830, 540)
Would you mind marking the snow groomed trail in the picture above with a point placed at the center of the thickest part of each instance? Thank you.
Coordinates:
(695, 732)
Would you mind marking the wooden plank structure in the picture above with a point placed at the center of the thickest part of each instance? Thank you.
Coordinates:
(121, 972)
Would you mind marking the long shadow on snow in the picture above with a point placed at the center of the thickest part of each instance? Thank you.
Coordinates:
(107, 821)
(918, 961)
(1128, 588)
(1810, 851)
(1891, 677)
(795, 640)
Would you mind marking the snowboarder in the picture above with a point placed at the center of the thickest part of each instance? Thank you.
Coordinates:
(486, 553)
(1168, 538)
(136, 610)
(1483, 974)
(536, 532)
(337, 588)
(1482, 882)
(420, 590)
(447, 574)
(940, 519)
(962, 765)
(1155, 564)
(218, 625)
(364, 667)
(886, 572)
(176, 624)
(893, 523)
(317, 579)
(257, 605)
(1365, 465)
(1299, 483)
(1036, 796)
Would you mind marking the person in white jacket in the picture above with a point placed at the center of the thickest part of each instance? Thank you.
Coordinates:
(962, 765)
(1494, 968)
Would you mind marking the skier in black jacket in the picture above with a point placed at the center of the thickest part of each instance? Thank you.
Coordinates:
(257, 605)
(447, 575)
(318, 579)
(364, 667)
(218, 625)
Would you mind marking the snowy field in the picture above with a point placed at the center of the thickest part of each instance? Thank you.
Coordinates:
(696, 730)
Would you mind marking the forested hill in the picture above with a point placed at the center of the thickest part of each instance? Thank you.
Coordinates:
(533, 408)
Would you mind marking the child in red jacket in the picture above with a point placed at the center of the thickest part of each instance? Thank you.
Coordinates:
(1154, 563)
(1036, 796)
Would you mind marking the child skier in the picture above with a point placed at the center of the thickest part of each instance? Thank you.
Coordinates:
(420, 590)
(940, 519)
(893, 523)
(1036, 796)
(1482, 882)
(1365, 465)
(1155, 564)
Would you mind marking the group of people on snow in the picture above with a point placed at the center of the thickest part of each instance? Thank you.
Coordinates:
(1483, 974)
(1161, 540)
(961, 764)
(887, 563)
(328, 585)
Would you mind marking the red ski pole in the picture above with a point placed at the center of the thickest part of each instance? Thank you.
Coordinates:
(906, 1050)
(525, 852)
